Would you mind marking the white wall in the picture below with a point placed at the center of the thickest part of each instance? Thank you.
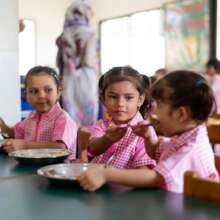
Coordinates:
(49, 17)
(10, 86)
(104, 9)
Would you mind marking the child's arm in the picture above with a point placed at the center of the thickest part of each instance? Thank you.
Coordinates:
(151, 143)
(6, 129)
(93, 179)
(100, 144)
(151, 140)
(17, 144)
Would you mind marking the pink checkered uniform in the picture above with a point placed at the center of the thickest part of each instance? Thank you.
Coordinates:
(188, 151)
(128, 152)
(55, 125)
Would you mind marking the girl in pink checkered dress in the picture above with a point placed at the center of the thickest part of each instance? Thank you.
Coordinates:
(183, 103)
(49, 125)
(124, 92)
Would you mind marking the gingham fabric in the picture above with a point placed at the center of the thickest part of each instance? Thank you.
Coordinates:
(189, 151)
(55, 125)
(128, 152)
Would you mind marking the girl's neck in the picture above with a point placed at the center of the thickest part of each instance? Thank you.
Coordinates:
(120, 123)
(43, 113)
(187, 127)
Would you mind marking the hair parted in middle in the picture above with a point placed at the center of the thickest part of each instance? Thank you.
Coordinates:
(126, 73)
(43, 70)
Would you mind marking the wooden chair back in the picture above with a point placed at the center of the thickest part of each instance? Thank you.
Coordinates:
(213, 126)
(214, 133)
(202, 188)
(215, 116)
(83, 136)
(217, 163)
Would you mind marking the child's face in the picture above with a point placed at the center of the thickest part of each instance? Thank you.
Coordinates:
(122, 100)
(42, 92)
(211, 70)
(168, 118)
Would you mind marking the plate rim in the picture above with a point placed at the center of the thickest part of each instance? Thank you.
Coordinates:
(13, 153)
(41, 173)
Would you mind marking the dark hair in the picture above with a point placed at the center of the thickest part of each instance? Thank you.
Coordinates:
(45, 70)
(186, 88)
(152, 79)
(127, 73)
(161, 72)
(215, 63)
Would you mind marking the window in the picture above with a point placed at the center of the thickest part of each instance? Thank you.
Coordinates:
(27, 46)
(133, 40)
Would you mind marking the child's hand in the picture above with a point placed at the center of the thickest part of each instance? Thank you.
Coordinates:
(143, 129)
(5, 130)
(14, 144)
(2, 123)
(151, 140)
(114, 133)
(92, 179)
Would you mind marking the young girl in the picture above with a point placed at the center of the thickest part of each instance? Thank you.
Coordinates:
(49, 126)
(213, 72)
(184, 101)
(123, 92)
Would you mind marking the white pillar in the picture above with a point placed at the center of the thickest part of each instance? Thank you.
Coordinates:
(9, 76)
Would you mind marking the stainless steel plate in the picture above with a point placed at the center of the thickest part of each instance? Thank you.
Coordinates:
(40, 155)
(65, 173)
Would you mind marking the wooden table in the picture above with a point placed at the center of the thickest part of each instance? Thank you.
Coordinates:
(27, 196)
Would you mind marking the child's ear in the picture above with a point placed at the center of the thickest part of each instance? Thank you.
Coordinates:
(59, 92)
(183, 113)
(141, 100)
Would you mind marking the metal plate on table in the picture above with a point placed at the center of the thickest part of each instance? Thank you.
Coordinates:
(41, 156)
(65, 173)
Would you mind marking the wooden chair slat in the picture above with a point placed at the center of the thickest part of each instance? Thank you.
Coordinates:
(201, 188)
(83, 136)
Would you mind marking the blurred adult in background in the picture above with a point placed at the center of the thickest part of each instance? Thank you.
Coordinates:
(160, 73)
(77, 63)
(213, 72)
